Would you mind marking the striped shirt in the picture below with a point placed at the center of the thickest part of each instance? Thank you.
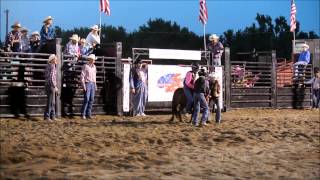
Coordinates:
(88, 74)
(51, 76)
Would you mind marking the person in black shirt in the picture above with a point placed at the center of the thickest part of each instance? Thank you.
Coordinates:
(201, 90)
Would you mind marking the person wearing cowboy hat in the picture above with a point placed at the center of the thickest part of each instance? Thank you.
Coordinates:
(188, 87)
(93, 37)
(25, 43)
(34, 41)
(89, 84)
(47, 34)
(139, 89)
(72, 48)
(216, 48)
(215, 92)
(85, 49)
(51, 87)
(13, 39)
(304, 60)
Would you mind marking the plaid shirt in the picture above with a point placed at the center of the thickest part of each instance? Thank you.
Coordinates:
(13, 36)
(51, 76)
(88, 74)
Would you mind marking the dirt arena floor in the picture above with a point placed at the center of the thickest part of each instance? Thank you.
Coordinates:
(248, 144)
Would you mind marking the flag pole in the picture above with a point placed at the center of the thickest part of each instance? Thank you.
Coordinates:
(204, 37)
(100, 26)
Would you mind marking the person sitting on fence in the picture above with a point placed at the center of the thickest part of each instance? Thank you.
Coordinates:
(315, 84)
(188, 87)
(304, 59)
(25, 43)
(215, 92)
(51, 88)
(216, 49)
(47, 35)
(13, 39)
(72, 47)
(138, 86)
(85, 49)
(34, 41)
(93, 38)
(201, 90)
(89, 84)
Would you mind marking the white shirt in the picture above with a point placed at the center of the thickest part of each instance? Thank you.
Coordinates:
(92, 38)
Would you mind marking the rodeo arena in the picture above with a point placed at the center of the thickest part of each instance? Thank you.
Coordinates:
(82, 111)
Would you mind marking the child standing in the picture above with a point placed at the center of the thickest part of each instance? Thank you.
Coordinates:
(315, 85)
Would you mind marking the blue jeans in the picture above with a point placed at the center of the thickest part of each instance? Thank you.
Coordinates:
(187, 91)
(139, 99)
(88, 99)
(200, 101)
(316, 98)
(218, 109)
(50, 108)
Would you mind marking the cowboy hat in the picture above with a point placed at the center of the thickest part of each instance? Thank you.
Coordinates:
(74, 37)
(35, 33)
(16, 24)
(24, 30)
(95, 27)
(51, 57)
(305, 45)
(91, 56)
(213, 36)
(47, 18)
(213, 75)
(195, 65)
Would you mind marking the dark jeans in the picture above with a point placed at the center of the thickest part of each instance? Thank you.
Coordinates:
(88, 99)
(217, 109)
(51, 101)
(316, 98)
(200, 102)
(187, 91)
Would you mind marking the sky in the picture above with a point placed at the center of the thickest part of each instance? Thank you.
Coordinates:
(223, 14)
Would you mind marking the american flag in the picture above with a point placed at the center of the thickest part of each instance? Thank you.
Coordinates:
(105, 7)
(293, 16)
(203, 15)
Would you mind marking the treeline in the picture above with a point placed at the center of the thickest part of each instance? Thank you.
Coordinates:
(263, 35)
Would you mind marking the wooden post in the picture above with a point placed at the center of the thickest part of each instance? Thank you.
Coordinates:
(119, 76)
(59, 76)
(227, 72)
(274, 80)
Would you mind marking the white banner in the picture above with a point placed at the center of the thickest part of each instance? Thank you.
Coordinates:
(163, 80)
(126, 88)
(174, 54)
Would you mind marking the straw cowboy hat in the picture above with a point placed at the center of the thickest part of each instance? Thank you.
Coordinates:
(95, 27)
(213, 75)
(91, 56)
(51, 57)
(35, 33)
(16, 24)
(305, 45)
(74, 37)
(213, 36)
(47, 19)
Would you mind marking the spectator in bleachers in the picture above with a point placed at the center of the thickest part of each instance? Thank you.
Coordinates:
(13, 39)
(216, 48)
(25, 43)
(93, 38)
(47, 34)
(34, 41)
(51, 88)
(89, 84)
(72, 48)
(304, 59)
(85, 49)
(315, 85)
